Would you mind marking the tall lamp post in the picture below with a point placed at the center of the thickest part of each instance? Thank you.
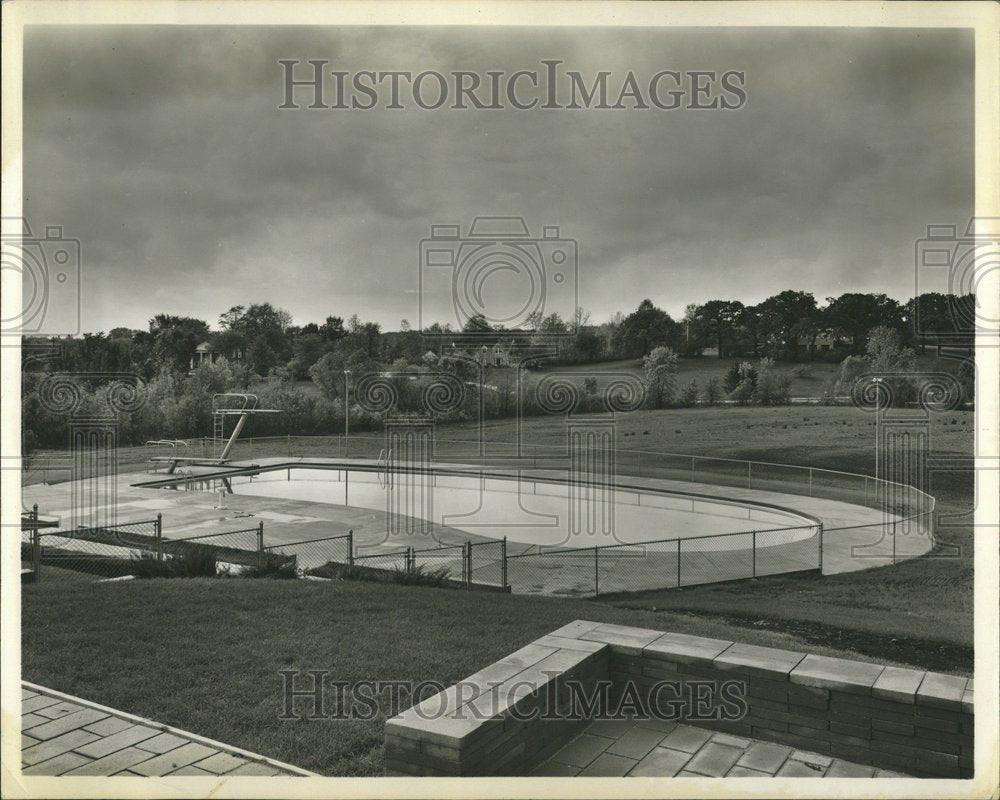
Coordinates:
(878, 412)
(347, 409)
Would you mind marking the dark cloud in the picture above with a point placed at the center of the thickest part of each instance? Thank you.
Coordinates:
(163, 150)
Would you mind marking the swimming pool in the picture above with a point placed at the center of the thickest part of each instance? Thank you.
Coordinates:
(548, 512)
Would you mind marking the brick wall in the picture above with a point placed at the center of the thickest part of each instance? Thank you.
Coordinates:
(911, 721)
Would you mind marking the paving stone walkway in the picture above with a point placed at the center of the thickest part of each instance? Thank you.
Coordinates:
(657, 748)
(64, 735)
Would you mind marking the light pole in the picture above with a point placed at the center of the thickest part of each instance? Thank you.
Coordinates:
(878, 412)
(347, 408)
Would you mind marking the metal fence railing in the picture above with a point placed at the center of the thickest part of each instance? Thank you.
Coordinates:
(908, 520)
(104, 551)
(665, 563)
(311, 554)
(51, 466)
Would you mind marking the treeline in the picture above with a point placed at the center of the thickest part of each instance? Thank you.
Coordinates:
(790, 326)
(258, 349)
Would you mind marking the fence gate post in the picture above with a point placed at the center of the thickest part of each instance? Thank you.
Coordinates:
(260, 544)
(754, 559)
(596, 579)
(350, 548)
(503, 562)
(159, 537)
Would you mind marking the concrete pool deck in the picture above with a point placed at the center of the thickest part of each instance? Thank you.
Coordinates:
(193, 513)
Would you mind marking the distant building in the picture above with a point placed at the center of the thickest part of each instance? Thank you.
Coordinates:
(498, 355)
(825, 340)
(204, 353)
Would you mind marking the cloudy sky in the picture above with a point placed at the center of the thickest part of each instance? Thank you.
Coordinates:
(163, 150)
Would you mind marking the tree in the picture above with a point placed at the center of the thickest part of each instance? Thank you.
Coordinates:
(332, 329)
(745, 389)
(175, 338)
(645, 329)
(853, 314)
(660, 376)
(784, 318)
(713, 391)
(773, 388)
(720, 318)
(885, 352)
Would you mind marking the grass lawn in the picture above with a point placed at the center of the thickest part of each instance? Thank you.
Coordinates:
(809, 378)
(204, 654)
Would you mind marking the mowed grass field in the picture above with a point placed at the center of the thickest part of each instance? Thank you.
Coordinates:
(808, 378)
(205, 655)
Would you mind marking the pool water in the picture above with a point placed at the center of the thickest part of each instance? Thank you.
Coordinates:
(532, 512)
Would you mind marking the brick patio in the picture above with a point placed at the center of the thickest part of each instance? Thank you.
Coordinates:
(658, 749)
(64, 735)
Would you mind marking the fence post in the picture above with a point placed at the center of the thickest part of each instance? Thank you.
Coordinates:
(411, 560)
(821, 547)
(350, 548)
(467, 565)
(36, 551)
(596, 579)
(894, 541)
(749, 464)
(678, 563)
(754, 557)
(159, 537)
(810, 481)
(34, 512)
(503, 562)
(260, 544)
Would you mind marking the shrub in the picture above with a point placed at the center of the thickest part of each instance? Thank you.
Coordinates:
(732, 379)
(800, 371)
(199, 562)
(272, 568)
(147, 566)
(420, 576)
(773, 388)
(713, 391)
(689, 395)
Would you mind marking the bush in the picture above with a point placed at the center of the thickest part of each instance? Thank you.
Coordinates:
(272, 568)
(200, 562)
(773, 388)
(713, 391)
(689, 395)
(420, 576)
